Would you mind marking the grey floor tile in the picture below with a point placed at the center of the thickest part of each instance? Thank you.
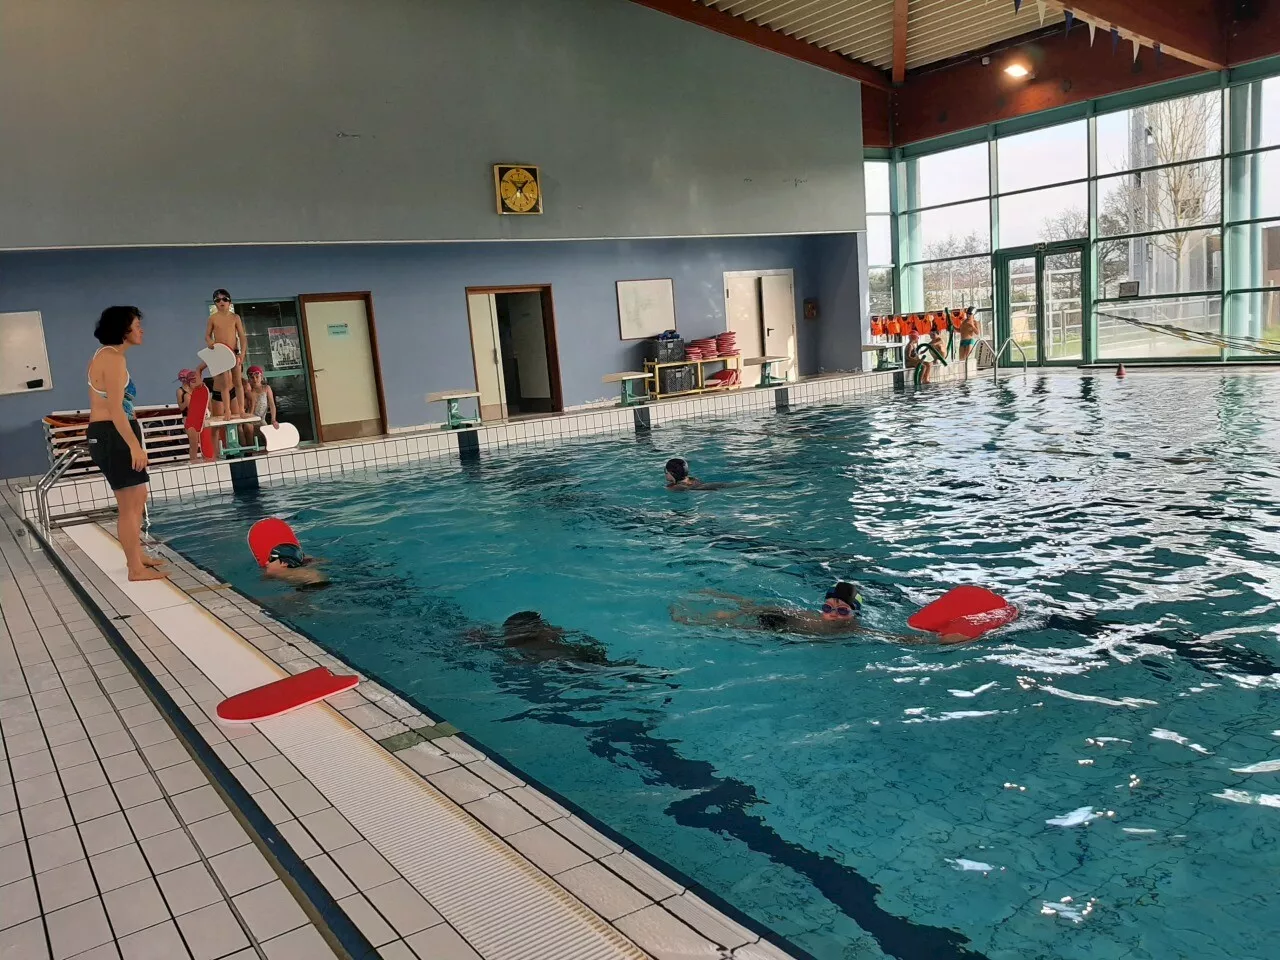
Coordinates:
(199, 804)
(112, 744)
(137, 790)
(399, 950)
(219, 834)
(305, 943)
(65, 885)
(460, 785)
(18, 903)
(182, 776)
(77, 928)
(157, 731)
(83, 777)
(151, 819)
(403, 907)
(106, 951)
(119, 867)
(242, 869)
(46, 817)
(55, 849)
(189, 888)
(38, 763)
(23, 743)
(331, 829)
(137, 716)
(161, 942)
(501, 814)
(93, 803)
(371, 923)
(166, 754)
(38, 790)
(26, 941)
(212, 932)
(277, 771)
(605, 892)
(106, 833)
(328, 873)
(74, 753)
(11, 829)
(272, 806)
(546, 848)
(168, 851)
(99, 724)
(135, 907)
(292, 830)
(124, 766)
(270, 910)
(14, 863)
(301, 797)
(441, 942)
(364, 865)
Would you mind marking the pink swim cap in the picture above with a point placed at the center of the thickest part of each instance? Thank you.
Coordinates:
(256, 369)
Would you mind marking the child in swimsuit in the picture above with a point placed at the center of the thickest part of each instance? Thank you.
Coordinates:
(187, 382)
(287, 562)
(225, 327)
(969, 330)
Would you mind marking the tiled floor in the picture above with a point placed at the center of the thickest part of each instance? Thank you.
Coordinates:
(113, 842)
(430, 848)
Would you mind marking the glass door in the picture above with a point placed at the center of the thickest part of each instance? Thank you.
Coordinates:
(1042, 303)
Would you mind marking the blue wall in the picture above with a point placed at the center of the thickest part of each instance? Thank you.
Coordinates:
(419, 302)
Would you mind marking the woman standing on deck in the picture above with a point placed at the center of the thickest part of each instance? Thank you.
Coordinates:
(115, 439)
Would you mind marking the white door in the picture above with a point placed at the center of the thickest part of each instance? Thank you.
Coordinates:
(483, 315)
(778, 299)
(742, 316)
(346, 385)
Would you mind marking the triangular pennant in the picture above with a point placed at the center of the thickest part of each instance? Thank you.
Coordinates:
(1071, 18)
(1017, 6)
(1115, 41)
(1159, 53)
(1040, 5)
(1136, 47)
(1093, 28)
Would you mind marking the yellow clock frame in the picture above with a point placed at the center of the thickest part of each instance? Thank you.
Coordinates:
(517, 188)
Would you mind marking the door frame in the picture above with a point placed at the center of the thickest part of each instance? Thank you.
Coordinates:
(1040, 252)
(548, 334)
(772, 272)
(367, 297)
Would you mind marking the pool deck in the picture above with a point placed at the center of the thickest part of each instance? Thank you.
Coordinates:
(136, 825)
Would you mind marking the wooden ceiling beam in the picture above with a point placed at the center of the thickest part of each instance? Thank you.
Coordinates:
(899, 41)
(1190, 30)
(731, 26)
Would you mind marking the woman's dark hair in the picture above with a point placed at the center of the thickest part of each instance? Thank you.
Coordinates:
(677, 468)
(221, 292)
(113, 326)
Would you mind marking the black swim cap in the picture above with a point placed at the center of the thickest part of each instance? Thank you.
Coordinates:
(846, 592)
(678, 468)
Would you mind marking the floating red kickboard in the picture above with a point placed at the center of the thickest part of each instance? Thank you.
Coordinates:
(267, 534)
(966, 612)
(262, 703)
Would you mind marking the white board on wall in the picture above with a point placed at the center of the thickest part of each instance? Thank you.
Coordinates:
(24, 361)
(646, 308)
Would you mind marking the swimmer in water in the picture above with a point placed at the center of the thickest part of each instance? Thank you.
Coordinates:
(679, 478)
(530, 636)
(837, 617)
(287, 562)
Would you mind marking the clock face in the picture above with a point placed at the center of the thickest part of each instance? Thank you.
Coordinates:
(518, 191)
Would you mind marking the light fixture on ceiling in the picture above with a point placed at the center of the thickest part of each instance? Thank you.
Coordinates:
(1017, 70)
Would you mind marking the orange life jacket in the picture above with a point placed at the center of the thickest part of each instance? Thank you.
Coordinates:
(894, 326)
(877, 327)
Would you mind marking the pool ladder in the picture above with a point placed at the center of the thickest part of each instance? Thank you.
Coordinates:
(66, 460)
(995, 356)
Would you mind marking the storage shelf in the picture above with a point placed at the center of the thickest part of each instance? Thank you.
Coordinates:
(653, 368)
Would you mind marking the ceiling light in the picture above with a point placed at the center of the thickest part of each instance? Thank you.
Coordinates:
(1017, 70)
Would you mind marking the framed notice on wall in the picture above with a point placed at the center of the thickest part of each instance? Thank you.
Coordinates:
(24, 361)
(646, 308)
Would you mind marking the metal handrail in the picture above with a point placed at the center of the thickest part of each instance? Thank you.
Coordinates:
(60, 466)
(995, 356)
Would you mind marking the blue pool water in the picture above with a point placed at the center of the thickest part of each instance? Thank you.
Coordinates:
(866, 799)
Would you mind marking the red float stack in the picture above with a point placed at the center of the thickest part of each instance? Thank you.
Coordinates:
(727, 344)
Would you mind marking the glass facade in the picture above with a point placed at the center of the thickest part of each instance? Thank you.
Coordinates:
(1173, 200)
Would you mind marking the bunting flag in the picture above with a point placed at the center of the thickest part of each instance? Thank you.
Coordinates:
(1017, 6)
(1040, 6)
(1071, 17)
(1115, 41)
(1093, 28)
(1136, 47)
(1159, 53)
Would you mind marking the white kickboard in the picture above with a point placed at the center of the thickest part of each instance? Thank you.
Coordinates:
(218, 358)
(283, 436)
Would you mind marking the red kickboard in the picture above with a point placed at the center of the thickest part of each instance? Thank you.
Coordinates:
(267, 534)
(262, 703)
(206, 443)
(964, 611)
(197, 408)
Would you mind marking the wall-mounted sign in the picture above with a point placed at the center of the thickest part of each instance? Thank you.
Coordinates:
(339, 329)
(286, 352)
(1130, 288)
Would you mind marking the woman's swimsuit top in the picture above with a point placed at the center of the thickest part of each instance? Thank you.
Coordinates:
(260, 405)
(130, 389)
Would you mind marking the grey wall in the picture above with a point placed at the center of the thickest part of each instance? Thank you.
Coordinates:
(137, 122)
(419, 304)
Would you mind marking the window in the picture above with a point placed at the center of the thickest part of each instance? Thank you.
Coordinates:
(1120, 340)
(1170, 198)
(1057, 213)
(948, 177)
(1042, 157)
(1255, 256)
(1171, 131)
(875, 175)
(950, 283)
(879, 241)
(950, 231)
(1186, 262)
(880, 287)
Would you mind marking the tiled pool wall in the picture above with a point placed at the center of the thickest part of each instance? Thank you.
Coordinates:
(77, 497)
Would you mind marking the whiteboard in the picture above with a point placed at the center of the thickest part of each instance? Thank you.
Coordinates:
(646, 308)
(23, 357)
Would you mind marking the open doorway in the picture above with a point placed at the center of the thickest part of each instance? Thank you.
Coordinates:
(513, 346)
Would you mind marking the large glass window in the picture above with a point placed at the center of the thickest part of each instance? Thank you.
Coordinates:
(950, 231)
(880, 254)
(957, 283)
(880, 288)
(875, 175)
(1056, 213)
(1167, 198)
(1186, 262)
(947, 177)
(1171, 131)
(1041, 157)
(1118, 339)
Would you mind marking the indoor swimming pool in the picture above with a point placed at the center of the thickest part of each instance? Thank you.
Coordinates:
(1100, 780)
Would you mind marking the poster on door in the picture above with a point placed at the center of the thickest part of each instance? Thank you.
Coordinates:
(286, 350)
